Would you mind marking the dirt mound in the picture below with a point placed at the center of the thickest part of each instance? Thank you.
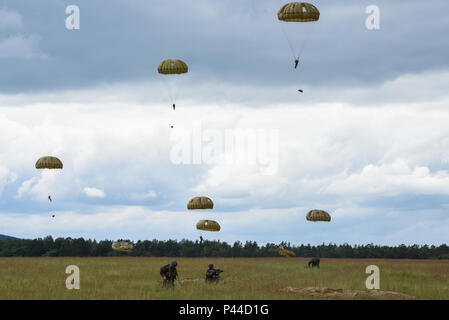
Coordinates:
(349, 294)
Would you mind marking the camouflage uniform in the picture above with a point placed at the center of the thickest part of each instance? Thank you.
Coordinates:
(169, 274)
(213, 275)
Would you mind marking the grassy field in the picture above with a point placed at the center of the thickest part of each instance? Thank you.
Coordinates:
(258, 278)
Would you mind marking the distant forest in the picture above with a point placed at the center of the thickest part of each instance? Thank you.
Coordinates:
(68, 247)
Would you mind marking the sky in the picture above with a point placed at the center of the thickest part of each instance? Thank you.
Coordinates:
(367, 140)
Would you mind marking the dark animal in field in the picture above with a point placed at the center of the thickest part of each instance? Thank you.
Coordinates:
(315, 262)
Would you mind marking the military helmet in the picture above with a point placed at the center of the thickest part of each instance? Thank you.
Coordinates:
(174, 264)
(211, 266)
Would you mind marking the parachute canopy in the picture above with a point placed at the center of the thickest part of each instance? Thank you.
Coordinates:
(208, 225)
(285, 253)
(298, 12)
(170, 66)
(122, 246)
(48, 163)
(318, 215)
(200, 203)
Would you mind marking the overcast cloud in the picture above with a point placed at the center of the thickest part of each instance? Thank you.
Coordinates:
(367, 140)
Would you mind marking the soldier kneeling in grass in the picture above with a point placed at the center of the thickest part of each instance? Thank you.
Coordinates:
(213, 275)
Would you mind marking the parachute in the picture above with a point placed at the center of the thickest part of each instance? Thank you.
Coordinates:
(203, 203)
(200, 203)
(208, 225)
(48, 163)
(298, 12)
(285, 253)
(122, 246)
(318, 215)
(297, 34)
(172, 68)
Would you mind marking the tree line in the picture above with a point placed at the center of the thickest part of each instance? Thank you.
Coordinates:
(68, 247)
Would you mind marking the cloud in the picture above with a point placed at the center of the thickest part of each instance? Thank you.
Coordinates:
(94, 192)
(392, 179)
(367, 141)
(48, 183)
(261, 225)
(10, 19)
(150, 194)
(21, 47)
(322, 149)
(25, 187)
(233, 43)
(6, 177)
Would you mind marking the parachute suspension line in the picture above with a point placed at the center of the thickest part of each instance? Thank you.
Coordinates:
(306, 39)
(168, 88)
(176, 87)
(48, 162)
(297, 55)
(194, 220)
(288, 40)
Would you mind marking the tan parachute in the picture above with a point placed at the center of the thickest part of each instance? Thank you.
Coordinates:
(48, 162)
(318, 215)
(208, 225)
(122, 246)
(292, 18)
(285, 253)
(298, 12)
(51, 163)
(172, 70)
(203, 203)
(200, 203)
(172, 66)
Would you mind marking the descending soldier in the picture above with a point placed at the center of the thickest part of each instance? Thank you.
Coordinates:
(213, 275)
(296, 63)
(174, 106)
(201, 239)
(169, 274)
(49, 197)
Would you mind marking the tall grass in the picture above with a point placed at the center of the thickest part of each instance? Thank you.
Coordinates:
(258, 278)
